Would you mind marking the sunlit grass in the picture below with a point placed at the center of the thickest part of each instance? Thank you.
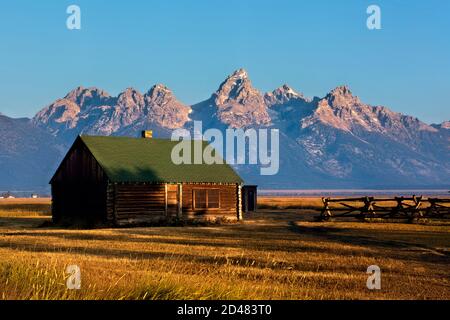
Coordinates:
(25, 207)
(274, 254)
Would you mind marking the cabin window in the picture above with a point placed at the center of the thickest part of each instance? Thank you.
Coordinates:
(213, 198)
(206, 199)
(200, 199)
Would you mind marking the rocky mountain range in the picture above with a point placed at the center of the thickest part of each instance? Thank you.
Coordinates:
(336, 141)
(27, 155)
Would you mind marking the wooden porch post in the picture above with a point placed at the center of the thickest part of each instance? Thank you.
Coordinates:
(240, 217)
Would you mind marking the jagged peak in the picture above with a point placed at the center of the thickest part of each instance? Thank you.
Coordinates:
(286, 90)
(236, 87)
(236, 78)
(130, 98)
(85, 97)
(343, 90)
(159, 88)
(128, 91)
(164, 108)
(240, 73)
(342, 96)
(159, 91)
(76, 91)
(82, 91)
(283, 94)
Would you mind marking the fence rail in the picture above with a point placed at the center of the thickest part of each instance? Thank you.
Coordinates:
(410, 208)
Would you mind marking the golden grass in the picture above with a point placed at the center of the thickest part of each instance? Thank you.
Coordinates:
(25, 207)
(289, 203)
(274, 254)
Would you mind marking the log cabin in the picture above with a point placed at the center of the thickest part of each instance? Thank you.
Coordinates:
(122, 181)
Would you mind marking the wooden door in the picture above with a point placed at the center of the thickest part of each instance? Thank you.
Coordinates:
(251, 206)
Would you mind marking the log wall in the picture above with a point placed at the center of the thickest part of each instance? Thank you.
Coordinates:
(138, 203)
(228, 202)
(146, 203)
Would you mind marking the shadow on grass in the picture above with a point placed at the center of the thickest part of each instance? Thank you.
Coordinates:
(212, 261)
(402, 248)
(277, 234)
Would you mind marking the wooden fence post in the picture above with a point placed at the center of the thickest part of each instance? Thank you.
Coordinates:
(326, 212)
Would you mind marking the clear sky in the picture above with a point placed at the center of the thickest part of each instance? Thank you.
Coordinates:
(191, 46)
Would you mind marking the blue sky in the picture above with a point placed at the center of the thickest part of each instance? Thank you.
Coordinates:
(191, 46)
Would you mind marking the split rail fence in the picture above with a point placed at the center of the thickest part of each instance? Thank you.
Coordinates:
(386, 208)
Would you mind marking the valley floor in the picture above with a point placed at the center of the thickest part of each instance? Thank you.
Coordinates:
(277, 253)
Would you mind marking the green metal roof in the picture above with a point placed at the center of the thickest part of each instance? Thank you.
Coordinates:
(149, 160)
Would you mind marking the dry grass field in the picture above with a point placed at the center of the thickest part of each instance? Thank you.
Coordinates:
(279, 252)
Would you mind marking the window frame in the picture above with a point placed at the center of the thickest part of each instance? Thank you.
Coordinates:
(207, 190)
